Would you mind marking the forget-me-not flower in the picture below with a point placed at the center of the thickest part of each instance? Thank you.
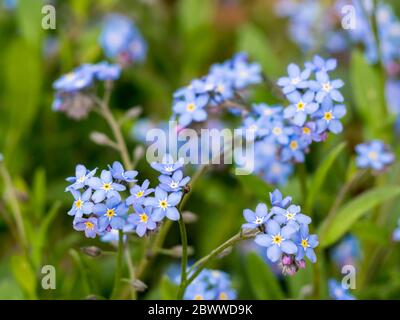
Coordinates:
(89, 225)
(374, 154)
(118, 172)
(82, 204)
(297, 79)
(305, 244)
(257, 218)
(291, 216)
(142, 220)
(105, 187)
(139, 193)
(302, 105)
(111, 214)
(164, 204)
(324, 87)
(167, 166)
(328, 117)
(173, 183)
(82, 175)
(191, 108)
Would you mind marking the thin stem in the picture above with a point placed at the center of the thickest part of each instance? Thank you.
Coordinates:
(118, 270)
(303, 181)
(203, 262)
(131, 271)
(182, 229)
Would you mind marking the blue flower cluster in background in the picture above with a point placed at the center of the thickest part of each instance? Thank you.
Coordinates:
(121, 40)
(337, 292)
(222, 83)
(374, 155)
(396, 232)
(101, 205)
(211, 285)
(70, 88)
(283, 135)
(347, 251)
(285, 232)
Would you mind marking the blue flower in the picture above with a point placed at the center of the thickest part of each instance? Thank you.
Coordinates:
(374, 154)
(337, 292)
(164, 204)
(121, 39)
(301, 106)
(328, 117)
(173, 183)
(118, 173)
(291, 216)
(105, 187)
(81, 205)
(271, 113)
(105, 71)
(319, 64)
(256, 126)
(280, 132)
(82, 175)
(191, 108)
(396, 232)
(277, 199)
(294, 150)
(305, 244)
(297, 79)
(142, 220)
(79, 79)
(167, 166)
(256, 219)
(347, 251)
(111, 214)
(244, 73)
(277, 240)
(308, 133)
(139, 193)
(90, 226)
(278, 172)
(324, 87)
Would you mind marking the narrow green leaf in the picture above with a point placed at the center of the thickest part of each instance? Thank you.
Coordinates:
(320, 175)
(169, 290)
(253, 41)
(39, 192)
(262, 281)
(331, 230)
(24, 275)
(370, 232)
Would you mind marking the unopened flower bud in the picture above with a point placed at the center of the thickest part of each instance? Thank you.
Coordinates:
(301, 264)
(91, 251)
(287, 260)
(138, 152)
(139, 286)
(176, 251)
(189, 217)
(133, 113)
(225, 252)
(99, 138)
(289, 270)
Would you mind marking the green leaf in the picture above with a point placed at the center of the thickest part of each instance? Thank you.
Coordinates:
(169, 290)
(255, 42)
(24, 275)
(29, 17)
(39, 192)
(368, 93)
(332, 229)
(195, 14)
(370, 232)
(262, 281)
(320, 175)
(9, 290)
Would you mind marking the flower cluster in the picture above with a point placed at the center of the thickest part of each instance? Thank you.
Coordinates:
(284, 232)
(283, 135)
(101, 205)
(337, 292)
(70, 88)
(222, 83)
(346, 252)
(374, 155)
(121, 40)
(210, 285)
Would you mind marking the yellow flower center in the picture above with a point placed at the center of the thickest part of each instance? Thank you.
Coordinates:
(304, 243)
(259, 220)
(306, 130)
(223, 296)
(78, 203)
(139, 194)
(328, 116)
(198, 297)
(110, 213)
(300, 106)
(373, 155)
(326, 87)
(296, 80)
(190, 107)
(290, 216)
(143, 217)
(107, 186)
(89, 225)
(277, 131)
(220, 88)
(173, 185)
(294, 145)
(163, 204)
(277, 239)
(81, 179)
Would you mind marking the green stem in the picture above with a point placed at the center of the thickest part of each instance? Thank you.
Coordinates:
(203, 262)
(303, 181)
(182, 230)
(131, 271)
(118, 270)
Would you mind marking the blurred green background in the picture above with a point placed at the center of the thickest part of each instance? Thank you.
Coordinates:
(185, 37)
